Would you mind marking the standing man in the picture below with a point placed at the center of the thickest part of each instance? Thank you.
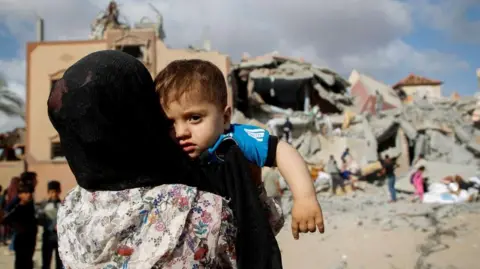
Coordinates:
(389, 170)
(345, 154)
(287, 130)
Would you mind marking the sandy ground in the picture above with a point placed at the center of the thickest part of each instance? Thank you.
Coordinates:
(363, 231)
(346, 244)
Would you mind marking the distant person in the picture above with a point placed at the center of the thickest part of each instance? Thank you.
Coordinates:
(389, 166)
(3, 228)
(345, 154)
(11, 199)
(418, 183)
(21, 216)
(378, 103)
(287, 130)
(335, 173)
(47, 217)
(29, 178)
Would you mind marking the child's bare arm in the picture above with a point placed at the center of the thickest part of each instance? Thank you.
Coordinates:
(306, 212)
(294, 169)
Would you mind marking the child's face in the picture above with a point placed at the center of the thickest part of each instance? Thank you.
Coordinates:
(197, 125)
(25, 197)
(53, 194)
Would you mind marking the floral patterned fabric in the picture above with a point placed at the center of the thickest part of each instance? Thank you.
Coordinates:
(169, 226)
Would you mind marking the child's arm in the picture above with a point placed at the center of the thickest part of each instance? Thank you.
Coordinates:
(294, 169)
(306, 212)
(264, 150)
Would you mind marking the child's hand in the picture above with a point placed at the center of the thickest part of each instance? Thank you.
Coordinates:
(306, 216)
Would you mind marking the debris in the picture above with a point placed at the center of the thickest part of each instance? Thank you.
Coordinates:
(279, 81)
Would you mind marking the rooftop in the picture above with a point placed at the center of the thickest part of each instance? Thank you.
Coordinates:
(416, 80)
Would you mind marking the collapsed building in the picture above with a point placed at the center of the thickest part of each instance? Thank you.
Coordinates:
(327, 118)
(287, 83)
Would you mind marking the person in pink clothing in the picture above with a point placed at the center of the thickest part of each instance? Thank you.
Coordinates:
(418, 182)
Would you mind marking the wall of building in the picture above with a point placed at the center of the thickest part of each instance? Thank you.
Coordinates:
(431, 91)
(361, 96)
(363, 101)
(46, 61)
(369, 105)
(9, 169)
(47, 171)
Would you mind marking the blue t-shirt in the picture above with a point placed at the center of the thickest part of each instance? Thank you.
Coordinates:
(257, 144)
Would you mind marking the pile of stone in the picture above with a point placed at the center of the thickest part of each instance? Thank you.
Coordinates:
(442, 131)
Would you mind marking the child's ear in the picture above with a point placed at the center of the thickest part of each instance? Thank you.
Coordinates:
(227, 116)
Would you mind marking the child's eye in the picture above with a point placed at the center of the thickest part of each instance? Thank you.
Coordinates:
(195, 118)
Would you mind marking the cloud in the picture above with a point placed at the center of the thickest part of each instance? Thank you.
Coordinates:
(450, 16)
(342, 34)
(400, 58)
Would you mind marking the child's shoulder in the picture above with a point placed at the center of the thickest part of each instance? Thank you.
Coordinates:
(243, 133)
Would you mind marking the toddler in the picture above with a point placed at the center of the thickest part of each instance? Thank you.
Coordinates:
(193, 94)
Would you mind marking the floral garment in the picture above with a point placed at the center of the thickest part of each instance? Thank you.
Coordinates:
(169, 226)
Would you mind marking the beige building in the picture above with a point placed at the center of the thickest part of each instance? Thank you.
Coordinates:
(414, 86)
(46, 62)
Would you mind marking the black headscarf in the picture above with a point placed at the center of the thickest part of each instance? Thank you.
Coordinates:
(115, 136)
(112, 128)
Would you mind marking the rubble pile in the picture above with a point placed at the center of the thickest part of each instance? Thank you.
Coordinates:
(440, 130)
(287, 83)
(370, 119)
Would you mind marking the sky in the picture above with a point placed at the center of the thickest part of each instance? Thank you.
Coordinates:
(386, 39)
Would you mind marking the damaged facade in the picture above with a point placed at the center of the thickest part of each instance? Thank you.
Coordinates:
(365, 90)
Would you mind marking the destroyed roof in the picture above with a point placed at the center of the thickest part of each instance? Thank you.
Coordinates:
(415, 80)
(289, 74)
(288, 68)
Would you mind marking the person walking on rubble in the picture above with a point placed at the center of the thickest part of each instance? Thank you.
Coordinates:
(287, 130)
(335, 173)
(389, 166)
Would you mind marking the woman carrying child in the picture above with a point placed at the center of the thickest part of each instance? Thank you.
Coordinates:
(140, 201)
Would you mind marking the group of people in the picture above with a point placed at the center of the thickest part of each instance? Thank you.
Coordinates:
(20, 215)
(348, 171)
(417, 178)
(192, 196)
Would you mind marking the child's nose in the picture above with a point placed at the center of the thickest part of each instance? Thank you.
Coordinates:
(182, 130)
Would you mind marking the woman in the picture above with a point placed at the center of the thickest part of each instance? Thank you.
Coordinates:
(140, 202)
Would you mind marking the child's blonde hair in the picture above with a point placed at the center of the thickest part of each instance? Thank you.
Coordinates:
(195, 79)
